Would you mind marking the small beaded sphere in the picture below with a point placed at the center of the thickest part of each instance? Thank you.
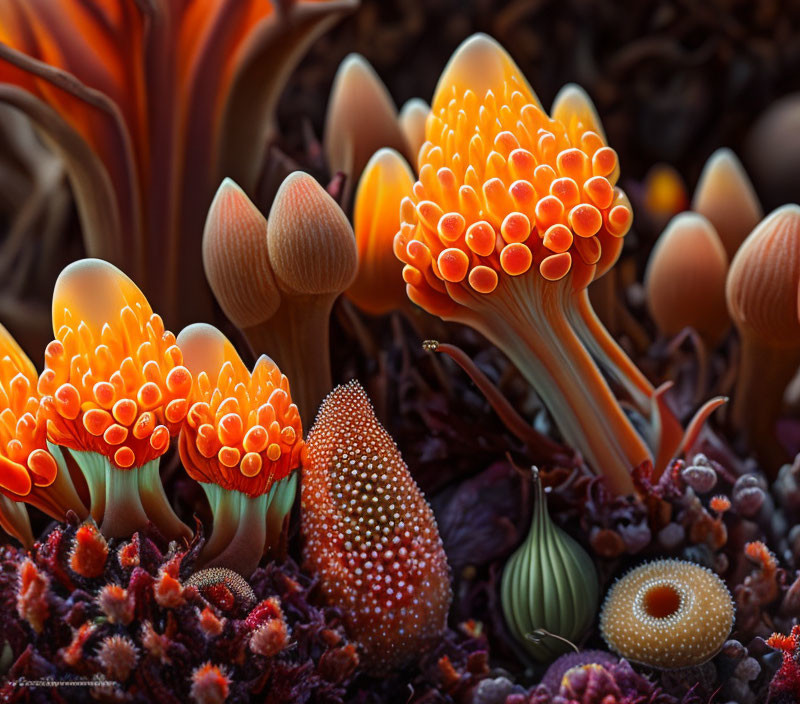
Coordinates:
(667, 614)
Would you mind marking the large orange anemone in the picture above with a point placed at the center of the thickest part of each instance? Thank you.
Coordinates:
(513, 215)
(28, 471)
(243, 441)
(115, 390)
(150, 104)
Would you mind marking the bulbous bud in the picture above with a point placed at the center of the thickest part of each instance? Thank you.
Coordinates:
(311, 244)
(549, 586)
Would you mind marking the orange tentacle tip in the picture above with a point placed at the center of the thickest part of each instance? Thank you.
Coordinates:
(25, 462)
(242, 431)
(114, 380)
(498, 175)
(370, 535)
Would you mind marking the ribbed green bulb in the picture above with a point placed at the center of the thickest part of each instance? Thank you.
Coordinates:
(549, 584)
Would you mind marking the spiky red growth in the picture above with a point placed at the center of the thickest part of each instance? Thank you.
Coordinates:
(117, 656)
(270, 634)
(758, 552)
(211, 624)
(116, 604)
(128, 556)
(89, 551)
(782, 642)
(786, 683)
(32, 603)
(73, 653)
(720, 504)
(168, 591)
(370, 535)
(210, 684)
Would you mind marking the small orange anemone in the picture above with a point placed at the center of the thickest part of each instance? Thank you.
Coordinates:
(513, 215)
(115, 391)
(243, 441)
(28, 471)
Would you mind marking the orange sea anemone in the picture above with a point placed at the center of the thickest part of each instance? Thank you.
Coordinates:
(150, 104)
(243, 441)
(369, 534)
(115, 391)
(29, 472)
(514, 213)
(667, 614)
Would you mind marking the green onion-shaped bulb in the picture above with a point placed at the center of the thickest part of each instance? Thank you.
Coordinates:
(550, 590)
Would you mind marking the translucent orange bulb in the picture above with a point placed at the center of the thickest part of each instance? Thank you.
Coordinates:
(243, 441)
(114, 392)
(378, 287)
(114, 381)
(242, 431)
(512, 215)
(28, 471)
(535, 192)
(24, 459)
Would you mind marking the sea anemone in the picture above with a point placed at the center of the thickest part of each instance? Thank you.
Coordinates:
(512, 216)
(667, 614)
(278, 280)
(549, 587)
(29, 472)
(115, 391)
(685, 279)
(370, 536)
(378, 287)
(117, 657)
(762, 295)
(210, 684)
(726, 197)
(150, 104)
(243, 441)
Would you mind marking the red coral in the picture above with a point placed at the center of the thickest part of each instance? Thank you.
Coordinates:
(763, 582)
(270, 634)
(32, 604)
(370, 536)
(210, 684)
(785, 685)
(89, 551)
